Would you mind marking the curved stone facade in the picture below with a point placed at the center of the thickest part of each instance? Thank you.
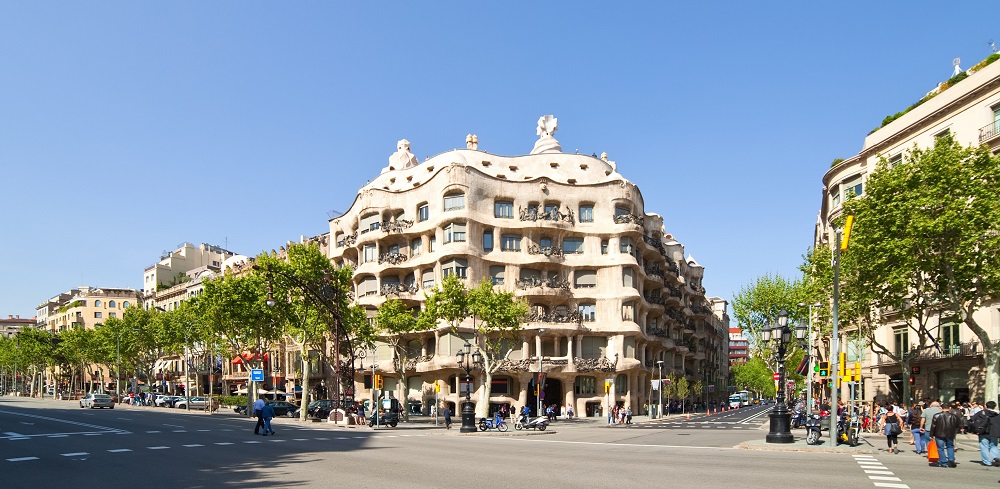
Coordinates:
(610, 293)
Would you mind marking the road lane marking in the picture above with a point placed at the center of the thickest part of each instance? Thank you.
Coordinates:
(251, 441)
(880, 472)
(158, 448)
(180, 431)
(324, 439)
(193, 445)
(21, 459)
(75, 423)
(120, 450)
(204, 430)
(153, 431)
(173, 425)
(599, 443)
(300, 439)
(223, 443)
(57, 436)
(12, 434)
(889, 484)
(883, 478)
(277, 441)
(74, 454)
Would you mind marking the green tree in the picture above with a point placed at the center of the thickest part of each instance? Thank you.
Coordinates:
(926, 246)
(683, 390)
(500, 316)
(396, 323)
(754, 375)
(756, 307)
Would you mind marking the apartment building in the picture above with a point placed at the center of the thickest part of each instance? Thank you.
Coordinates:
(610, 292)
(969, 110)
(178, 274)
(14, 323)
(739, 347)
(85, 307)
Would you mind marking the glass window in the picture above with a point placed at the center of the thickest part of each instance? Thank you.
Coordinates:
(621, 385)
(457, 267)
(428, 279)
(902, 341)
(97, 303)
(621, 211)
(585, 385)
(510, 242)
(503, 209)
(573, 245)
(593, 346)
(113, 314)
(415, 247)
(628, 311)
(586, 213)
(588, 312)
(950, 343)
(551, 208)
(497, 274)
(585, 278)
(500, 385)
(423, 213)
(432, 244)
(370, 253)
(454, 202)
(836, 196)
(488, 240)
(111, 304)
(370, 222)
(625, 245)
(97, 314)
(604, 247)
(545, 243)
(125, 305)
(454, 232)
(628, 277)
(853, 187)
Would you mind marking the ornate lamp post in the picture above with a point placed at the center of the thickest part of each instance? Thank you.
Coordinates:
(780, 428)
(469, 362)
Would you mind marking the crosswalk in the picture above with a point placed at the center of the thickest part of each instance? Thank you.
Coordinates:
(878, 473)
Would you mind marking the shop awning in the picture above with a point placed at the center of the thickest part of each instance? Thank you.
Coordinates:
(248, 357)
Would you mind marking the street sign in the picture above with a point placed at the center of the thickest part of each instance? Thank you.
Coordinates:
(257, 374)
(776, 376)
(791, 383)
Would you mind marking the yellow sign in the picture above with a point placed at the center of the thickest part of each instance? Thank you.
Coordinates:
(848, 224)
(607, 386)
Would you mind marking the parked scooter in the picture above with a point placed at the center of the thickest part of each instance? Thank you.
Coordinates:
(814, 429)
(848, 430)
(523, 423)
(798, 418)
(385, 418)
(489, 424)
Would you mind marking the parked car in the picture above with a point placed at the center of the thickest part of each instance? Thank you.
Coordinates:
(93, 400)
(320, 408)
(285, 408)
(196, 403)
(167, 401)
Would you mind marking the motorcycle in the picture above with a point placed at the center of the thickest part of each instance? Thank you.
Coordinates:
(489, 424)
(390, 419)
(539, 423)
(798, 418)
(814, 429)
(848, 430)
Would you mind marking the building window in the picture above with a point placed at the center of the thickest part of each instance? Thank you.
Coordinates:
(586, 386)
(510, 242)
(593, 346)
(586, 213)
(423, 213)
(950, 343)
(588, 312)
(545, 243)
(585, 279)
(628, 278)
(415, 247)
(902, 341)
(895, 160)
(628, 311)
(454, 202)
(836, 196)
(111, 304)
(488, 240)
(551, 209)
(370, 253)
(113, 314)
(125, 305)
(604, 247)
(497, 274)
(573, 245)
(97, 315)
(500, 385)
(368, 286)
(432, 244)
(454, 232)
(622, 211)
(427, 279)
(97, 303)
(853, 187)
(503, 209)
(456, 267)
(621, 385)
(625, 245)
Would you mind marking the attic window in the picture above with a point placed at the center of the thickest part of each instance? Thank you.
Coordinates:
(571, 181)
(583, 166)
(409, 178)
(501, 175)
(392, 180)
(486, 163)
(607, 172)
(513, 168)
(554, 165)
(430, 168)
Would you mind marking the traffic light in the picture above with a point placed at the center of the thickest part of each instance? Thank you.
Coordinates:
(913, 380)
(378, 381)
(842, 365)
(824, 369)
(857, 371)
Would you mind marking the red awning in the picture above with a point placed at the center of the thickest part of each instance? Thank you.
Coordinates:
(247, 357)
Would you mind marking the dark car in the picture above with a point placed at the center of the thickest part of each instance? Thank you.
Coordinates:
(320, 409)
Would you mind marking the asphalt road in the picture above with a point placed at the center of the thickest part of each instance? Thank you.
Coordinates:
(54, 444)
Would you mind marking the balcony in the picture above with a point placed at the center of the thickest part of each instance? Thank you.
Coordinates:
(968, 349)
(533, 214)
(397, 289)
(550, 283)
(569, 317)
(348, 241)
(629, 219)
(396, 226)
(393, 258)
(548, 251)
(989, 132)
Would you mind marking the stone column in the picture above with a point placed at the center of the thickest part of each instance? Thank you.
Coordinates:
(569, 349)
(538, 345)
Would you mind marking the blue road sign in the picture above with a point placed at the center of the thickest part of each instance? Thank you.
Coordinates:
(257, 374)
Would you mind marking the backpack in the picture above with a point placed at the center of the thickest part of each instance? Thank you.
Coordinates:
(981, 423)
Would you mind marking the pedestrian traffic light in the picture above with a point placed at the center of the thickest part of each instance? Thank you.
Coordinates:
(824, 369)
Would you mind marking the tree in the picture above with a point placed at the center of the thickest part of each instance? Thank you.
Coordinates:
(683, 389)
(756, 307)
(500, 316)
(926, 245)
(754, 375)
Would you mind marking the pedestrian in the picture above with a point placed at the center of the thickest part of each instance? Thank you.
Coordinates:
(925, 422)
(986, 424)
(944, 426)
(628, 414)
(446, 412)
(504, 411)
(267, 413)
(913, 421)
(258, 407)
(569, 410)
(892, 426)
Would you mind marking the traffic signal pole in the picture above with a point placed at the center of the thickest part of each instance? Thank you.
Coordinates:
(834, 341)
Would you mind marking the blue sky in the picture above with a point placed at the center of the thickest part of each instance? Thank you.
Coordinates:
(127, 128)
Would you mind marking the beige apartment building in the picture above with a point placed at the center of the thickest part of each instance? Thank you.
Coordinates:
(970, 111)
(85, 307)
(611, 293)
(178, 274)
(14, 323)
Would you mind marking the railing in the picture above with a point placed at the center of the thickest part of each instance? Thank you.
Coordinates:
(629, 219)
(394, 258)
(675, 314)
(653, 270)
(967, 349)
(552, 283)
(989, 131)
(349, 240)
(396, 226)
(532, 214)
(701, 310)
(545, 250)
(673, 291)
(655, 299)
(570, 317)
(397, 289)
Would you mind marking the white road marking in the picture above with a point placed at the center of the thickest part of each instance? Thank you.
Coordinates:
(321, 439)
(11, 433)
(57, 436)
(180, 431)
(120, 450)
(75, 423)
(223, 443)
(21, 459)
(612, 444)
(879, 472)
(204, 430)
(74, 454)
(300, 439)
(883, 478)
(194, 445)
(153, 431)
(278, 441)
(251, 441)
(158, 448)
(173, 425)
(889, 484)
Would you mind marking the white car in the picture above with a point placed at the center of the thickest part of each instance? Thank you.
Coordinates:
(93, 400)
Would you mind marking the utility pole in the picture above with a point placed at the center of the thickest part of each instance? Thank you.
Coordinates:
(834, 343)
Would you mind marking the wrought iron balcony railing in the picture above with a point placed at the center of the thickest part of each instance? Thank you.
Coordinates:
(989, 131)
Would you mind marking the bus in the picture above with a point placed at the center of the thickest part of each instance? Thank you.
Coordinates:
(739, 399)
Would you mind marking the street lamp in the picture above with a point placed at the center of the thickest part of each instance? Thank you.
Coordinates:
(468, 362)
(781, 335)
(659, 405)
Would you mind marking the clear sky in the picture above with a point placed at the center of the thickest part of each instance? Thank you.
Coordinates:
(127, 128)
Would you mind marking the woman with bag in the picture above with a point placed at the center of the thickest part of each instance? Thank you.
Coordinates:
(892, 427)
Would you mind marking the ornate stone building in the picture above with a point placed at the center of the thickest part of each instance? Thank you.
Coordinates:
(610, 292)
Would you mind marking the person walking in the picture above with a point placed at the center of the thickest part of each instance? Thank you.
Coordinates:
(986, 424)
(913, 421)
(925, 422)
(267, 414)
(446, 412)
(892, 426)
(258, 407)
(944, 426)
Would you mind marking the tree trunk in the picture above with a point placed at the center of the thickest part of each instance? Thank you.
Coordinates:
(907, 399)
(483, 407)
(991, 358)
(304, 357)
(404, 392)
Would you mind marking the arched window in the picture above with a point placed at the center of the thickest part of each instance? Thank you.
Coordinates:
(454, 201)
(125, 305)
(97, 303)
(111, 304)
